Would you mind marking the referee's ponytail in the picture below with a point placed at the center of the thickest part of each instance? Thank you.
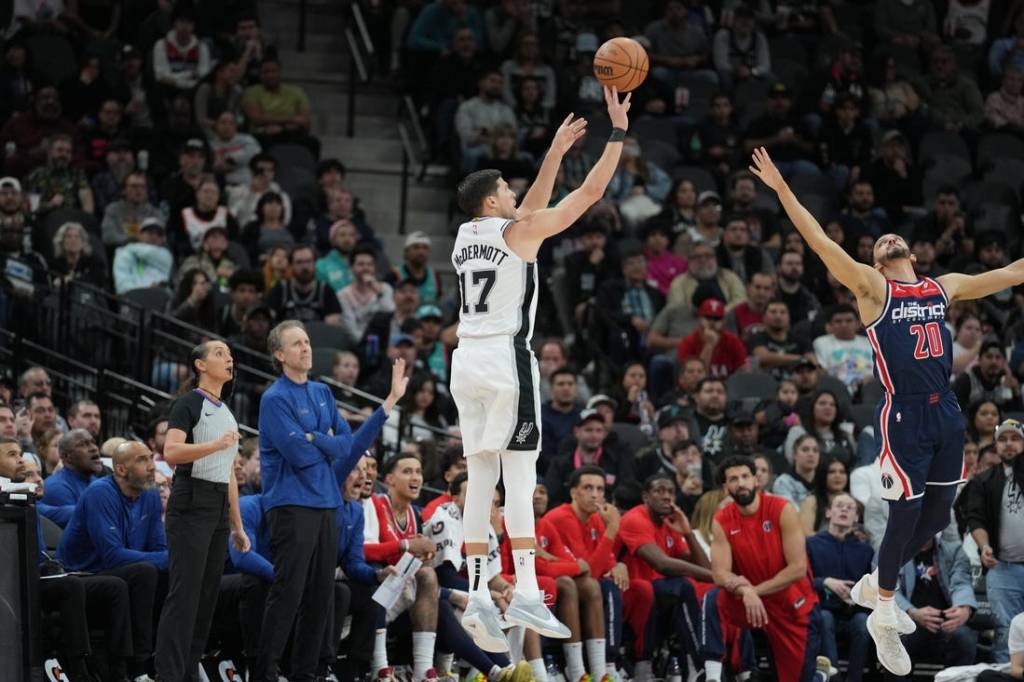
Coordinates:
(200, 352)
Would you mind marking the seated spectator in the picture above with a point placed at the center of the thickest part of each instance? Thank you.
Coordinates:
(117, 529)
(145, 263)
(80, 457)
(830, 481)
(278, 113)
(15, 80)
(558, 415)
(663, 266)
(341, 205)
(589, 268)
(73, 259)
(194, 301)
(255, 327)
(453, 463)
(763, 224)
(909, 24)
(533, 118)
(516, 167)
(32, 131)
(637, 177)
(302, 297)
(213, 258)
(25, 282)
(679, 211)
(268, 229)
(415, 267)
(590, 445)
(739, 254)
(180, 59)
(243, 201)
(838, 559)
(841, 351)
(780, 131)
(179, 190)
(246, 290)
(384, 325)
(433, 352)
(633, 405)
(661, 550)
(774, 346)
(1007, 51)
(946, 225)
(60, 183)
(741, 51)
(966, 343)
(989, 380)
(708, 227)
(861, 219)
(108, 184)
(954, 101)
(673, 429)
(709, 401)
(85, 414)
(625, 307)
(233, 151)
(528, 63)
(250, 43)
(717, 143)
(1004, 108)
(365, 296)
(477, 118)
(436, 24)
(866, 488)
(994, 514)
(843, 79)
(678, 46)
(93, 141)
(704, 277)
(333, 268)
(795, 485)
(936, 590)
(845, 141)
(132, 83)
(276, 267)
(823, 416)
(330, 175)
(219, 93)
(721, 351)
(189, 225)
(895, 98)
(551, 355)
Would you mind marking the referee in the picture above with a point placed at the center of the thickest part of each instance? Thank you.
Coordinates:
(202, 443)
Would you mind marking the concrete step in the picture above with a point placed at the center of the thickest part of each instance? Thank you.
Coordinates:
(333, 98)
(440, 251)
(385, 188)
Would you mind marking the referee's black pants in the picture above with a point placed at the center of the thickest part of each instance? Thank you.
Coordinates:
(197, 541)
(304, 542)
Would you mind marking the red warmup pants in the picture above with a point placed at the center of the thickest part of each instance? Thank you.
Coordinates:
(637, 603)
(793, 636)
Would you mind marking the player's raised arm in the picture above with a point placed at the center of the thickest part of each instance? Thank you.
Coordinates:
(968, 287)
(859, 278)
(539, 194)
(526, 235)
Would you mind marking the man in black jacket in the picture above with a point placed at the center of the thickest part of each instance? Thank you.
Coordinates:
(995, 517)
(591, 445)
(626, 307)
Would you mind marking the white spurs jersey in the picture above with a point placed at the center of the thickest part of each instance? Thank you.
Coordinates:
(498, 288)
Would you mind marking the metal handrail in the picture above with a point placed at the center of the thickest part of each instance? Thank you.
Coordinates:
(359, 71)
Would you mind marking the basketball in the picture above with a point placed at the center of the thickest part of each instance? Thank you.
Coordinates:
(621, 63)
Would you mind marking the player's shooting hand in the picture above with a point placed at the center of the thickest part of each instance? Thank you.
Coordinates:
(567, 134)
(764, 168)
(955, 617)
(757, 616)
(617, 110)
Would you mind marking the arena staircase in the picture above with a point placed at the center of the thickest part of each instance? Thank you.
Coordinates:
(373, 153)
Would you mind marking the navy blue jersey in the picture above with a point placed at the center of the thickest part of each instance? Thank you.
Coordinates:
(912, 346)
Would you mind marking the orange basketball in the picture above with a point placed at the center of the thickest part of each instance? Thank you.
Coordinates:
(621, 63)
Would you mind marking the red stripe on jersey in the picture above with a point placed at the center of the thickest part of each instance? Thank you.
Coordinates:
(883, 370)
(887, 450)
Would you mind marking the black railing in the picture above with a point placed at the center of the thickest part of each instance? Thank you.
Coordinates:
(361, 55)
(415, 153)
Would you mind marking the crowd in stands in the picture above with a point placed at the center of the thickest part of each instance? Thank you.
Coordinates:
(686, 321)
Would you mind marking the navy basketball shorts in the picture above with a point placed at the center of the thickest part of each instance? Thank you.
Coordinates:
(921, 438)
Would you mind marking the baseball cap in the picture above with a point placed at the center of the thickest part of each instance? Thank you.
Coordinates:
(194, 144)
(586, 42)
(151, 224)
(10, 183)
(1010, 426)
(428, 310)
(260, 309)
(742, 417)
(402, 338)
(712, 308)
(708, 196)
(416, 238)
(588, 415)
(779, 89)
(804, 363)
(668, 417)
(891, 135)
(601, 399)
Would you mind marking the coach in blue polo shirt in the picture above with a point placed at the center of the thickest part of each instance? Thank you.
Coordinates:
(117, 529)
(81, 458)
(304, 446)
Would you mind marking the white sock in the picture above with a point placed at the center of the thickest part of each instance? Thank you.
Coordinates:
(574, 669)
(595, 658)
(744, 676)
(610, 669)
(515, 638)
(540, 671)
(443, 663)
(642, 671)
(873, 579)
(380, 650)
(886, 611)
(422, 653)
(713, 671)
(526, 572)
(493, 674)
(476, 565)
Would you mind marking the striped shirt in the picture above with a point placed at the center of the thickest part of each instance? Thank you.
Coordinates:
(204, 419)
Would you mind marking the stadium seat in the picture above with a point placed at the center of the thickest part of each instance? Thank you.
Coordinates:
(787, 48)
(751, 92)
(51, 533)
(149, 298)
(323, 335)
(53, 57)
(990, 191)
(559, 294)
(294, 180)
(862, 415)
(630, 436)
(661, 154)
(793, 74)
(293, 156)
(758, 385)
(812, 184)
(938, 144)
(656, 129)
(998, 146)
(820, 205)
(323, 361)
(827, 382)
(946, 170)
(1007, 170)
(871, 392)
(700, 178)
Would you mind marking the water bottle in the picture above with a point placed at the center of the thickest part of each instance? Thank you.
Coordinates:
(646, 424)
(372, 348)
(142, 160)
(10, 149)
(674, 672)
(551, 668)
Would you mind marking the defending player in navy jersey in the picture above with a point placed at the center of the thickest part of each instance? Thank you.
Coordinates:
(918, 423)
(495, 380)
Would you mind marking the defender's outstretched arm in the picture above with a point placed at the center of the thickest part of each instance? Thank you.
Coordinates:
(968, 287)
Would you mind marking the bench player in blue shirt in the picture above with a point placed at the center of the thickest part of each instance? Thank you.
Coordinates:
(918, 422)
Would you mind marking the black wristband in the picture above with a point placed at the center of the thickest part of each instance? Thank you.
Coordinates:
(618, 135)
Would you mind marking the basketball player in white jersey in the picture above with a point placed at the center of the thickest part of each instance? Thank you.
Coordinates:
(494, 372)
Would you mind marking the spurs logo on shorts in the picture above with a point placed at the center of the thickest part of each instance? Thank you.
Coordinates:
(524, 432)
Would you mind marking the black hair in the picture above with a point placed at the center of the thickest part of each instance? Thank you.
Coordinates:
(585, 470)
(267, 198)
(948, 189)
(660, 475)
(456, 483)
(989, 345)
(328, 165)
(565, 369)
(362, 250)
(206, 315)
(710, 380)
(388, 465)
(302, 246)
(657, 227)
(684, 445)
(841, 309)
(200, 352)
(262, 157)
(251, 277)
(732, 462)
(451, 455)
(476, 187)
(627, 495)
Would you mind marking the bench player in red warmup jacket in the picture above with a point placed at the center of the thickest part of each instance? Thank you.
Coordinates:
(759, 563)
